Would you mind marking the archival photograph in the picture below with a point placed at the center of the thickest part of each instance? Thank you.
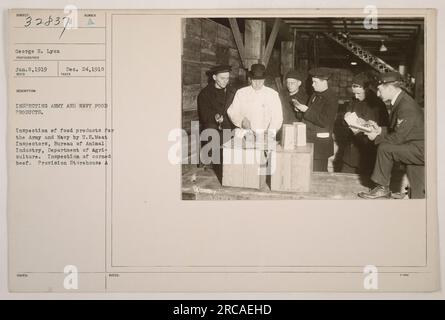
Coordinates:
(303, 108)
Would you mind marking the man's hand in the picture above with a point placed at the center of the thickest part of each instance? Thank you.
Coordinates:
(245, 124)
(354, 130)
(219, 118)
(371, 135)
(375, 130)
(298, 106)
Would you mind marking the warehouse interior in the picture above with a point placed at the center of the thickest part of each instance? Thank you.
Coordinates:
(344, 45)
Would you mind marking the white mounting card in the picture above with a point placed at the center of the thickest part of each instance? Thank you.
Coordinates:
(96, 204)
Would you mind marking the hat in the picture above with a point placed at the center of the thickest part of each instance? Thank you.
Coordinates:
(294, 74)
(257, 71)
(388, 77)
(320, 73)
(219, 69)
(361, 79)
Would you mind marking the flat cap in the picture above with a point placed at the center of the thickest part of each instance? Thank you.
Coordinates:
(294, 74)
(219, 69)
(320, 73)
(388, 77)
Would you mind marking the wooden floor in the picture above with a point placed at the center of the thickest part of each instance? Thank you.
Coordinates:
(203, 184)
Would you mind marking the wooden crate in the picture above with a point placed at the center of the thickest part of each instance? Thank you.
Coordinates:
(241, 167)
(292, 169)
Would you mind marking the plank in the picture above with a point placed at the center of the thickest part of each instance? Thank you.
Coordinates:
(293, 169)
(271, 41)
(238, 39)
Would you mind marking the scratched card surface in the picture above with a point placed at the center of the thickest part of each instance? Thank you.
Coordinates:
(99, 101)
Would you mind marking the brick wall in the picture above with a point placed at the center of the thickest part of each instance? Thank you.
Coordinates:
(341, 82)
(205, 44)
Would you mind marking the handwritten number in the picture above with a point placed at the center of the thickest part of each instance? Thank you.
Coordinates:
(68, 22)
(48, 22)
(28, 21)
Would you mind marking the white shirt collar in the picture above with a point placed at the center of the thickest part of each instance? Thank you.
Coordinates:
(395, 98)
(256, 91)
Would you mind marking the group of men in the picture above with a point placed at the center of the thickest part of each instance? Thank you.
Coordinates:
(398, 137)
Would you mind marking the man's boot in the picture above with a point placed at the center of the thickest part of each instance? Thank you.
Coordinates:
(377, 193)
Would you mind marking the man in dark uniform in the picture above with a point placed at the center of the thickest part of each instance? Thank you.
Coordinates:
(359, 155)
(213, 102)
(319, 116)
(403, 140)
(291, 96)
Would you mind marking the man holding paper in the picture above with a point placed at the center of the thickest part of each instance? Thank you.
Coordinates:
(403, 140)
(319, 116)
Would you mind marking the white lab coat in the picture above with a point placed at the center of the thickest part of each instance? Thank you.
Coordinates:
(261, 107)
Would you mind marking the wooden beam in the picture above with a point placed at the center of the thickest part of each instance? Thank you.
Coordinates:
(271, 41)
(381, 21)
(353, 27)
(314, 28)
(294, 49)
(238, 40)
(279, 84)
(418, 53)
(316, 52)
(285, 33)
(254, 40)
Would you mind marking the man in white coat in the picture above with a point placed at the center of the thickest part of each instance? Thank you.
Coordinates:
(256, 107)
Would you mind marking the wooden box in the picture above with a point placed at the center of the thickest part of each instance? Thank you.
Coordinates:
(243, 167)
(293, 135)
(291, 170)
(288, 136)
(300, 134)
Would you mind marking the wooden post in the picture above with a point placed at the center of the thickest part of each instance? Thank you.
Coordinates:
(418, 53)
(287, 56)
(316, 52)
(417, 68)
(295, 43)
(238, 40)
(302, 47)
(254, 40)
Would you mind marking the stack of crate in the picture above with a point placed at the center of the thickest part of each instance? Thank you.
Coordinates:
(244, 164)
